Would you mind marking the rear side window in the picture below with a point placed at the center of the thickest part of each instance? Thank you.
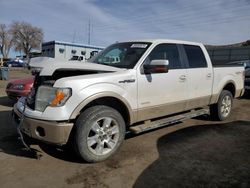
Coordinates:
(195, 55)
(168, 52)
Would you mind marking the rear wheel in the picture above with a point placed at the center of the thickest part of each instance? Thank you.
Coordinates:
(222, 109)
(100, 131)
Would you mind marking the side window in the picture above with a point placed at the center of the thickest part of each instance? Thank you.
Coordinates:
(168, 52)
(195, 55)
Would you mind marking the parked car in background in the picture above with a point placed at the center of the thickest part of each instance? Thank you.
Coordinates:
(246, 64)
(247, 79)
(19, 88)
(15, 63)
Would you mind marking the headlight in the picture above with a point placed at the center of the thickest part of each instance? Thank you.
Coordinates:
(18, 86)
(51, 96)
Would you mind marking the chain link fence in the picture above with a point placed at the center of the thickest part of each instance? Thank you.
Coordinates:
(229, 54)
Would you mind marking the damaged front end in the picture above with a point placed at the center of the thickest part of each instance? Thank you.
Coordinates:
(36, 116)
(48, 71)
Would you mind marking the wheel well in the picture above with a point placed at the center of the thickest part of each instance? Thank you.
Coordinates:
(113, 103)
(230, 87)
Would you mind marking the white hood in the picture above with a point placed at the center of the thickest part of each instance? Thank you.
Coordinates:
(49, 65)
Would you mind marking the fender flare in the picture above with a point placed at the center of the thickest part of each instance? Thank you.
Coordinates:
(77, 110)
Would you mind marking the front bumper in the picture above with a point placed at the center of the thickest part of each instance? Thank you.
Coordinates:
(46, 131)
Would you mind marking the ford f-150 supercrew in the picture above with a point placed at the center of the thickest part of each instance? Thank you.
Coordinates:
(133, 86)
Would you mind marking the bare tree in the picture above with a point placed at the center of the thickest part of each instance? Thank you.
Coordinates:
(26, 37)
(6, 40)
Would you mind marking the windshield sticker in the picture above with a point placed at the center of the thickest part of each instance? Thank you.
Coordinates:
(139, 46)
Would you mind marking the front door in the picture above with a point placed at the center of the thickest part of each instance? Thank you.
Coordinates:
(161, 94)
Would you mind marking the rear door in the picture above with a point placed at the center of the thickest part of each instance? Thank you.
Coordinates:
(199, 76)
(161, 94)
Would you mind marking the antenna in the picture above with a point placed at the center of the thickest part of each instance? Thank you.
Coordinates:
(74, 35)
(73, 41)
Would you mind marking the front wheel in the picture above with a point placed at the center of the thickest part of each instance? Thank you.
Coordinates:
(222, 109)
(100, 131)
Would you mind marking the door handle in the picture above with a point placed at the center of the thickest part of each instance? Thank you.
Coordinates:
(183, 77)
(209, 75)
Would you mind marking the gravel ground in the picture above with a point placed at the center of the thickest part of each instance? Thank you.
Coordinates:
(196, 153)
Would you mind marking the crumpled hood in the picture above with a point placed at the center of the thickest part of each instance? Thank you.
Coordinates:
(49, 65)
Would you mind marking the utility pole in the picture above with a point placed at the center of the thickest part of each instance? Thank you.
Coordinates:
(89, 32)
(74, 35)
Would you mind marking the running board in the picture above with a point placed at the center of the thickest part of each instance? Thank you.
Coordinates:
(149, 125)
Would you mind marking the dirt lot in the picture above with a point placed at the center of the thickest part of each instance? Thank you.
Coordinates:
(201, 153)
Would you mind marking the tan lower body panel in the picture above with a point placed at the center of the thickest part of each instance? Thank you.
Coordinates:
(172, 108)
(159, 111)
(54, 132)
(198, 102)
(215, 97)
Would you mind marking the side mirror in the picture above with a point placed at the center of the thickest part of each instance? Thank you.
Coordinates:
(156, 66)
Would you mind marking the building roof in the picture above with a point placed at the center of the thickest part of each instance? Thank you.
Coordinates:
(72, 44)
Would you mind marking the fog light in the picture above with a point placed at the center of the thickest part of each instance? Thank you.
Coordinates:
(40, 131)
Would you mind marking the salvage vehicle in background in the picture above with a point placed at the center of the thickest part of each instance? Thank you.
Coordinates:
(247, 79)
(153, 83)
(19, 88)
(246, 64)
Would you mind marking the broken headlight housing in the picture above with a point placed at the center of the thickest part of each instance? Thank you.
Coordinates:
(51, 96)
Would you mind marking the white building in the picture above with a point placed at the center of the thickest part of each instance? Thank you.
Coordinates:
(69, 51)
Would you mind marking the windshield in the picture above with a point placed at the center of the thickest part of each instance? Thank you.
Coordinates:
(121, 55)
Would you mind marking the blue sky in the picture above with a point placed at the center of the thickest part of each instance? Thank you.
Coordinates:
(206, 21)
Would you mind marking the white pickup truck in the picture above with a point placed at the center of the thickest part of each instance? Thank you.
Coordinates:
(152, 83)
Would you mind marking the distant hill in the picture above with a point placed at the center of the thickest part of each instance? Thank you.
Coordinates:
(240, 44)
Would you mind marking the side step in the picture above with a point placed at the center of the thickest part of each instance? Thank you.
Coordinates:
(149, 125)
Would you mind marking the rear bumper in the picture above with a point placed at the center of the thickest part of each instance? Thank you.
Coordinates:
(46, 131)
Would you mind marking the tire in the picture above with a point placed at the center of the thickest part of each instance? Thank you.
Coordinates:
(222, 109)
(100, 130)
